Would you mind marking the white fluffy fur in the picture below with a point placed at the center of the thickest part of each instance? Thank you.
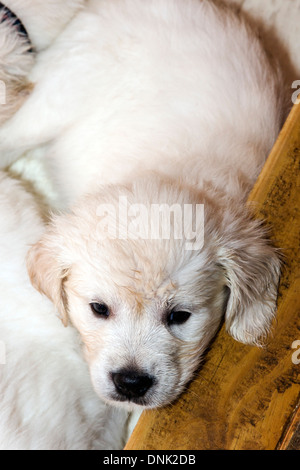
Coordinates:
(163, 101)
(44, 20)
(15, 64)
(47, 400)
(180, 87)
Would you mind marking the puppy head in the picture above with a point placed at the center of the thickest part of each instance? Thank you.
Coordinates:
(147, 307)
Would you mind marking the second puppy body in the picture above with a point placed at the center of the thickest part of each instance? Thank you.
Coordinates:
(153, 103)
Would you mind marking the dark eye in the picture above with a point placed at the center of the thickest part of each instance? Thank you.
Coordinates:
(178, 317)
(101, 310)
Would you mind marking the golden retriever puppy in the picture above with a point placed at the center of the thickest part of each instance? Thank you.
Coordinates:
(154, 119)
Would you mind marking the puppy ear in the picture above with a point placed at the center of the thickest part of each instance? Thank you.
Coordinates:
(252, 270)
(48, 274)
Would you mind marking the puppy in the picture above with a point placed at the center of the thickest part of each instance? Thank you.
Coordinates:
(155, 119)
(47, 399)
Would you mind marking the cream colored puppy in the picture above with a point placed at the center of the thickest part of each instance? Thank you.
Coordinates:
(142, 105)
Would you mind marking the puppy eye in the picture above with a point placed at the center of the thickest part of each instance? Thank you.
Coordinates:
(100, 310)
(178, 317)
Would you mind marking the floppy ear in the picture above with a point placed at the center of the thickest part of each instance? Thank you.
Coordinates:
(252, 270)
(48, 274)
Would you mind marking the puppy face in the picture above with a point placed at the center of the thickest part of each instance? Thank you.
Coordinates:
(144, 321)
(146, 309)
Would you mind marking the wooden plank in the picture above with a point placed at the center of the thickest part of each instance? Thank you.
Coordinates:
(291, 438)
(244, 397)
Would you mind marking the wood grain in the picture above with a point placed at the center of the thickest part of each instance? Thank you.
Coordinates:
(244, 397)
(291, 438)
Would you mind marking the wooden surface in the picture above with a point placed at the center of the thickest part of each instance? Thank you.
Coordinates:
(291, 437)
(245, 397)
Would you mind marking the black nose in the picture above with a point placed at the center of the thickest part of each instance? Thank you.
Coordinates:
(132, 383)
